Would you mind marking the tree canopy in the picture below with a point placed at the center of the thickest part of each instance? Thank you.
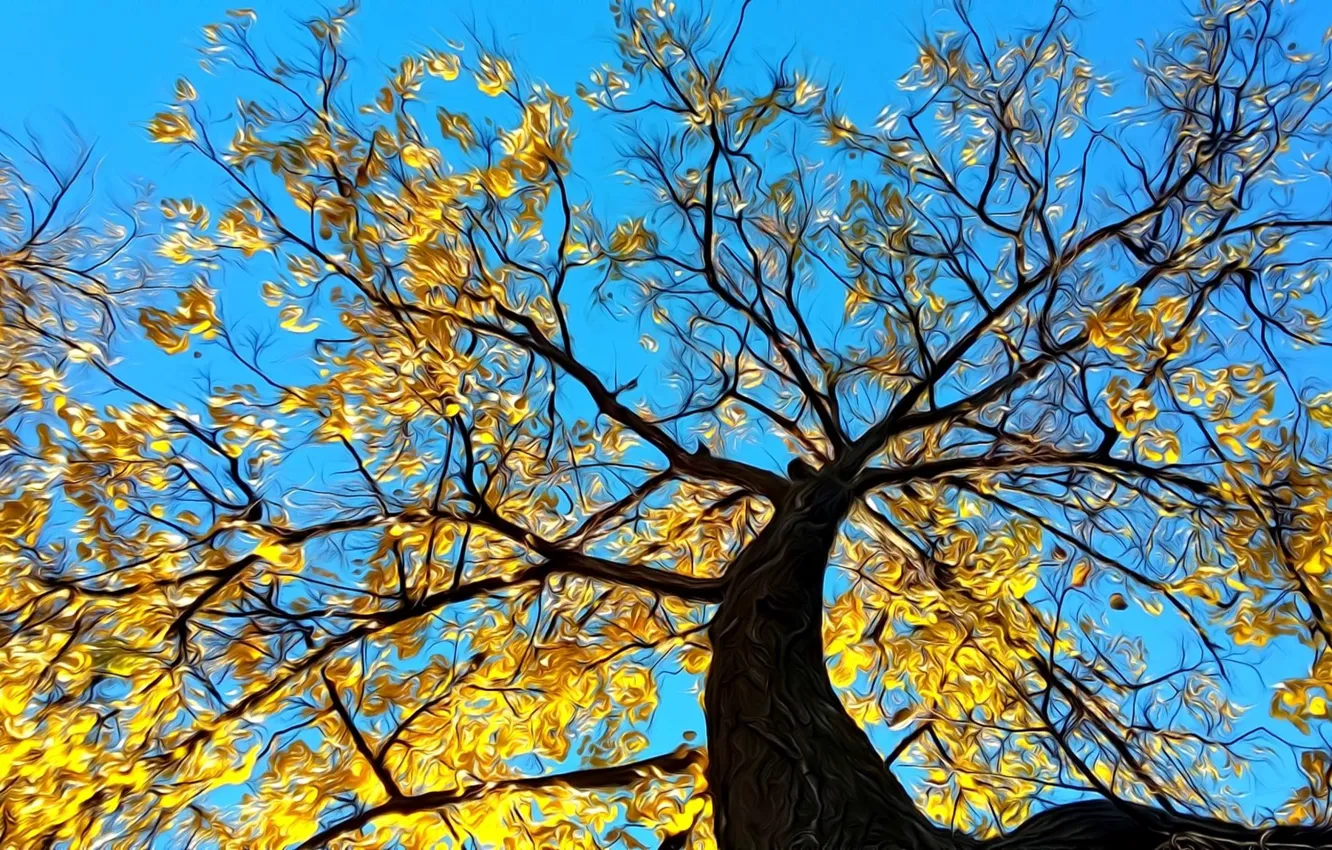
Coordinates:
(991, 427)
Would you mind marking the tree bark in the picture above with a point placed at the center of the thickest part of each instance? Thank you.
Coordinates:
(789, 769)
(1117, 825)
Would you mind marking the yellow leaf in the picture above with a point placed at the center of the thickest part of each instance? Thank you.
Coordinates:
(493, 75)
(1081, 572)
(170, 128)
(444, 65)
(291, 320)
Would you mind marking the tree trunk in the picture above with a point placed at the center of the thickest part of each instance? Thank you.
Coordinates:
(789, 769)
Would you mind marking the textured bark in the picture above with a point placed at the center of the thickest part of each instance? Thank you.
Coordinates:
(789, 769)
(1106, 825)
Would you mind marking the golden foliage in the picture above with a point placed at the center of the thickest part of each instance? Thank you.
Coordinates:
(1065, 421)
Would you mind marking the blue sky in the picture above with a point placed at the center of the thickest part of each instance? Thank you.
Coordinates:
(108, 66)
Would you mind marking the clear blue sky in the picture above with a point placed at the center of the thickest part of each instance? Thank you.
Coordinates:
(108, 66)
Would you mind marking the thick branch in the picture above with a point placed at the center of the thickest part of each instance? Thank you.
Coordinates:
(590, 779)
(698, 463)
(1097, 462)
(1105, 825)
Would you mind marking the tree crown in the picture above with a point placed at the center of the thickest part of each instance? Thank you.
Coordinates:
(414, 565)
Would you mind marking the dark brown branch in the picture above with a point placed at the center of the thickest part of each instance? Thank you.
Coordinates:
(591, 779)
(1104, 825)
(698, 463)
(376, 764)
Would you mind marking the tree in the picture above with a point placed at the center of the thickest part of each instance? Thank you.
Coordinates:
(1040, 365)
